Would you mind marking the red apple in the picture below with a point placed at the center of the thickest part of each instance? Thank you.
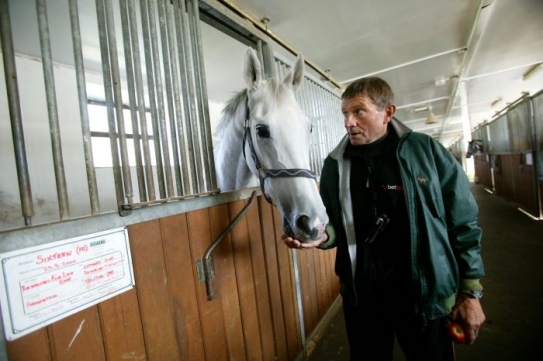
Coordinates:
(456, 332)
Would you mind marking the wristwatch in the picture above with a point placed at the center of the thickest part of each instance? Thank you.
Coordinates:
(473, 293)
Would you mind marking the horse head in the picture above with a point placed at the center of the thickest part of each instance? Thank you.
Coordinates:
(475, 147)
(276, 145)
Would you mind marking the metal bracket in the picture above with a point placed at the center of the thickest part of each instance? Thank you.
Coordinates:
(125, 210)
(204, 266)
(201, 266)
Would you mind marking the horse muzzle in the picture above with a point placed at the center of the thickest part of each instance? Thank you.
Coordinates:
(304, 228)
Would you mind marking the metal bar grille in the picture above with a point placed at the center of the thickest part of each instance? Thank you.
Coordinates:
(322, 107)
(154, 97)
(12, 87)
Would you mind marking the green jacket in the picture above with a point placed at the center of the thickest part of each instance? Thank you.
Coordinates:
(445, 237)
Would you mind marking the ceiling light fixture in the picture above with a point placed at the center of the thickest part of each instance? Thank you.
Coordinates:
(441, 81)
(532, 71)
(420, 109)
(431, 117)
(496, 102)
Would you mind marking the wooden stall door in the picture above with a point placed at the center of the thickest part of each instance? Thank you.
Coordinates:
(167, 315)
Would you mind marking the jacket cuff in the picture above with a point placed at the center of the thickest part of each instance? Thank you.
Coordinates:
(330, 242)
(471, 285)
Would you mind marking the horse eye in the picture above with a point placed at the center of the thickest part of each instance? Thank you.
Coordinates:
(311, 129)
(262, 131)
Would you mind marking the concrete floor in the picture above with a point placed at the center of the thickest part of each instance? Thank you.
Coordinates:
(513, 300)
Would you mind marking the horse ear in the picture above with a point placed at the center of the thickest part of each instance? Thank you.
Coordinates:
(252, 70)
(295, 76)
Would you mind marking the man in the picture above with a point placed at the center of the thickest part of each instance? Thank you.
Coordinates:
(404, 222)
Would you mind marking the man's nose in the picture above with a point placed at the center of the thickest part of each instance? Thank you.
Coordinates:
(349, 120)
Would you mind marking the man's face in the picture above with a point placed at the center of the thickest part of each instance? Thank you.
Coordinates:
(364, 121)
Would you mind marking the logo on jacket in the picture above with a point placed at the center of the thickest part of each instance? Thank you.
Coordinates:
(422, 180)
(391, 187)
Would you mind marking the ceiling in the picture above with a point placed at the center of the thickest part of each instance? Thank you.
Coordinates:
(464, 58)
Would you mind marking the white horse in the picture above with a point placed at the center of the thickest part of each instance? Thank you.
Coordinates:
(264, 140)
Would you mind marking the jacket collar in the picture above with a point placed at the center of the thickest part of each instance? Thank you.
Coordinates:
(400, 128)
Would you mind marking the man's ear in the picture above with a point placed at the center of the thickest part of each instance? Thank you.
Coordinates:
(390, 110)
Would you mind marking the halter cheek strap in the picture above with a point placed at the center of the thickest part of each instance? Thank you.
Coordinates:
(263, 172)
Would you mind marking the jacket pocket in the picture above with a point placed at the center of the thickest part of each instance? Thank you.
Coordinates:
(433, 204)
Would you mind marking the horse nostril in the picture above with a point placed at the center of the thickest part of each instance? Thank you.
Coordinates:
(304, 225)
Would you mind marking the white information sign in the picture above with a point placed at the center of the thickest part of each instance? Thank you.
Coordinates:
(43, 284)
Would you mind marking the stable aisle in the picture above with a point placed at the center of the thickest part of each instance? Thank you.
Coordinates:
(513, 300)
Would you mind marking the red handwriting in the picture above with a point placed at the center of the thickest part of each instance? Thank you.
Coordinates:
(52, 257)
(34, 285)
(89, 265)
(41, 300)
(59, 278)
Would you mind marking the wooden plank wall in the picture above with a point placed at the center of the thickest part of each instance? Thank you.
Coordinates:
(483, 170)
(167, 315)
(516, 181)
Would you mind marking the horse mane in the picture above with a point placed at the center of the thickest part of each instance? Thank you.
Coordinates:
(232, 110)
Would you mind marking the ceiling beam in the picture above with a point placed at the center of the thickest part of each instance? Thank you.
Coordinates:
(452, 51)
(264, 28)
(476, 33)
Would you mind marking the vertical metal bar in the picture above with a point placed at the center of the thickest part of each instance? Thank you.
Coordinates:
(314, 122)
(12, 88)
(329, 125)
(536, 155)
(168, 80)
(106, 74)
(186, 187)
(298, 283)
(323, 134)
(319, 100)
(154, 80)
(128, 58)
(50, 94)
(150, 74)
(268, 60)
(132, 21)
(202, 120)
(304, 101)
(189, 174)
(201, 85)
(191, 111)
(83, 111)
(332, 123)
(116, 77)
(318, 123)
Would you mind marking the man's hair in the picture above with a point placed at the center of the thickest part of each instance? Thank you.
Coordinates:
(375, 88)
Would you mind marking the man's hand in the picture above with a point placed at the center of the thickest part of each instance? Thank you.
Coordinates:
(297, 244)
(468, 312)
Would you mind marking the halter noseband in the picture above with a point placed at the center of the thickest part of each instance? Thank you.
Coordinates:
(263, 172)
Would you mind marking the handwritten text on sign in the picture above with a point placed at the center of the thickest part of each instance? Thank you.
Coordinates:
(46, 283)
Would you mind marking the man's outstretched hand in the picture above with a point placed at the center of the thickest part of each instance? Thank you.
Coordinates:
(297, 244)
